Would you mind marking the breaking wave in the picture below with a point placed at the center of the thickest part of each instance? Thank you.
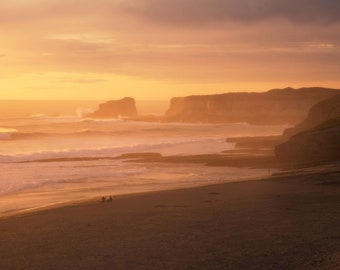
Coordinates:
(52, 118)
(102, 153)
(13, 134)
(7, 134)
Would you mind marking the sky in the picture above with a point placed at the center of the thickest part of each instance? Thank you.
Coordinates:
(157, 49)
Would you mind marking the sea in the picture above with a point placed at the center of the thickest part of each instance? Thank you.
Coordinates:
(33, 133)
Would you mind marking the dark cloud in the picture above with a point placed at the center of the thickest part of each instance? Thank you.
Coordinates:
(178, 40)
(209, 11)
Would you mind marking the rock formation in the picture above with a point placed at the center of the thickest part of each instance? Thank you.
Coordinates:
(318, 114)
(316, 139)
(314, 146)
(278, 106)
(125, 107)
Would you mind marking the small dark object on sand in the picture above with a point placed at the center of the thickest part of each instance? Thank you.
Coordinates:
(103, 199)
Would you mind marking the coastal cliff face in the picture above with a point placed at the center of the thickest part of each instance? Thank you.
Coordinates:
(318, 114)
(311, 147)
(316, 139)
(278, 106)
(125, 107)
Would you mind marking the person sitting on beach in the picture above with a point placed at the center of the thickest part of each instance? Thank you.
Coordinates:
(106, 200)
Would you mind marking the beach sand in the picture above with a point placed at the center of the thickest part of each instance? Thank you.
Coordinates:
(290, 221)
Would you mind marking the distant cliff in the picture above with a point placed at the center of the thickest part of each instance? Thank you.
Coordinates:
(320, 144)
(278, 106)
(318, 114)
(125, 107)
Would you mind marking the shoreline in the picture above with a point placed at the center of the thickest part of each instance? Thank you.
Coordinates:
(146, 158)
(96, 199)
(283, 222)
(161, 172)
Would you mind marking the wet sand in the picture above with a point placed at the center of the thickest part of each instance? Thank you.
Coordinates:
(290, 221)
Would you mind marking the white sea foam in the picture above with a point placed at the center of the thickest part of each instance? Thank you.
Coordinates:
(63, 182)
(56, 118)
(6, 133)
(103, 121)
(178, 146)
(26, 176)
(63, 137)
(82, 112)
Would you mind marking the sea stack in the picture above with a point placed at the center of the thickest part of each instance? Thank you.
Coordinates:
(125, 108)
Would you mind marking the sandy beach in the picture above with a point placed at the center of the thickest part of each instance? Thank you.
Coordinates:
(169, 135)
(289, 221)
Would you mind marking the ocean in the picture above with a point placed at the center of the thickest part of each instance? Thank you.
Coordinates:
(32, 133)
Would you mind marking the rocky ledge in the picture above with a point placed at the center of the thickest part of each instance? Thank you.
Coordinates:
(314, 146)
(318, 114)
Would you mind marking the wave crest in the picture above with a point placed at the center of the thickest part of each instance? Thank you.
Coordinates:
(7, 133)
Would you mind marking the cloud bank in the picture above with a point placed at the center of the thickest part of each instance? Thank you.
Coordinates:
(174, 41)
(246, 11)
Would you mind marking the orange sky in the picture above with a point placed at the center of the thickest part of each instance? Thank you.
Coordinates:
(156, 49)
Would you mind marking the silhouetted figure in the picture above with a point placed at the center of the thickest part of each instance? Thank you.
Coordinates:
(103, 199)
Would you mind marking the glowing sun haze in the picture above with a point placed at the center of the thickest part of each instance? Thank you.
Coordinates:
(156, 49)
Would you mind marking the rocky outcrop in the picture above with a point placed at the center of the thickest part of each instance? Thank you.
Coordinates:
(314, 146)
(318, 114)
(316, 139)
(125, 108)
(278, 106)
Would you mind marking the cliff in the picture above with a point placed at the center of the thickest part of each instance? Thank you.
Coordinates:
(320, 144)
(125, 107)
(278, 106)
(318, 114)
(316, 139)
